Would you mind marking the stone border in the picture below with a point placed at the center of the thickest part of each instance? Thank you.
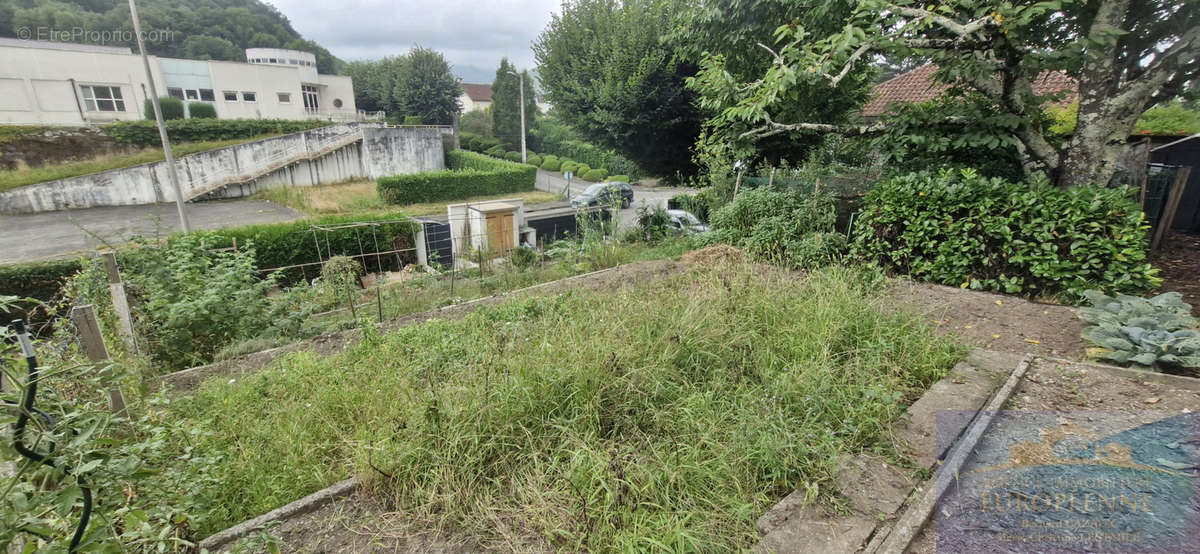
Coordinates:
(300, 507)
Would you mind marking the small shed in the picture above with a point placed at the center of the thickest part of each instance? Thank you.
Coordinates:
(1184, 152)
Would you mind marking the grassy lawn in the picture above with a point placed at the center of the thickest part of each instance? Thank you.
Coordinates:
(663, 415)
(361, 197)
(22, 177)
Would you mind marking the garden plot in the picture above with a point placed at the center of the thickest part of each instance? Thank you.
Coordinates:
(667, 413)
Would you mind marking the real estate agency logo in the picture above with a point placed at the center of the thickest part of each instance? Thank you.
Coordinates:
(92, 36)
(1043, 482)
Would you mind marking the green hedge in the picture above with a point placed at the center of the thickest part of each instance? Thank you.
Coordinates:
(570, 165)
(201, 110)
(38, 280)
(512, 156)
(619, 178)
(958, 228)
(145, 133)
(172, 108)
(534, 160)
(595, 175)
(551, 164)
(470, 174)
(412, 120)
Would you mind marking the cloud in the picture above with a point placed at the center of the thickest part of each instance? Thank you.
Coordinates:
(472, 35)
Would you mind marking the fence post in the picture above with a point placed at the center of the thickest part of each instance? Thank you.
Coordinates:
(116, 289)
(92, 343)
(1168, 215)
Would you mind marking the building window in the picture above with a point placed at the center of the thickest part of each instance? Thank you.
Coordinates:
(174, 92)
(310, 97)
(230, 95)
(192, 94)
(273, 60)
(206, 94)
(249, 97)
(284, 97)
(103, 99)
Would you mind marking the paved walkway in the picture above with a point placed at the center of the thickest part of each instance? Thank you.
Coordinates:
(68, 233)
(551, 181)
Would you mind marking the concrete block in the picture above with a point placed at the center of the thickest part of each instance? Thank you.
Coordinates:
(842, 535)
(872, 486)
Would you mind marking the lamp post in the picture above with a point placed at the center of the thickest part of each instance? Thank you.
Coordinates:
(162, 127)
(521, 85)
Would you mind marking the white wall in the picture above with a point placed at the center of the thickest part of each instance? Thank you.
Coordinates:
(35, 86)
(266, 81)
(336, 87)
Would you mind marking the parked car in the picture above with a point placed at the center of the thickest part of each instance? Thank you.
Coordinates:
(604, 194)
(683, 222)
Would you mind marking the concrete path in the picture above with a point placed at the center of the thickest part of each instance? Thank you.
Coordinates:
(63, 234)
(550, 181)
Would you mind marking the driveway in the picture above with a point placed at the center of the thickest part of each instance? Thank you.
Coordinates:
(67, 233)
(642, 196)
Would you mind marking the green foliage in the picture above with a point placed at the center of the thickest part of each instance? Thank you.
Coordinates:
(203, 47)
(506, 104)
(552, 164)
(582, 169)
(35, 280)
(478, 122)
(619, 178)
(552, 136)
(653, 224)
(512, 156)
(495, 151)
(418, 83)
(341, 272)
(524, 258)
(594, 175)
(1157, 332)
(201, 110)
(1172, 118)
(534, 160)
(607, 70)
(412, 120)
(470, 174)
(959, 228)
(655, 394)
(570, 165)
(699, 205)
(782, 227)
(172, 108)
(145, 133)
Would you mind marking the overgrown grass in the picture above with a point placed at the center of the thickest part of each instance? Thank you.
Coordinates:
(362, 197)
(29, 176)
(665, 415)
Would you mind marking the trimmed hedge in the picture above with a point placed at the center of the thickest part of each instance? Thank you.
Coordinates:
(201, 110)
(495, 151)
(960, 229)
(172, 108)
(534, 160)
(413, 120)
(595, 175)
(551, 164)
(570, 165)
(470, 174)
(619, 178)
(582, 170)
(512, 156)
(145, 133)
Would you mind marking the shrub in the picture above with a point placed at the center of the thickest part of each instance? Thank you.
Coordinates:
(495, 151)
(1144, 332)
(569, 165)
(341, 272)
(412, 120)
(581, 170)
(465, 138)
(512, 156)
(534, 160)
(595, 175)
(619, 178)
(781, 226)
(201, 110)
(698, 205)
(36, 280)
(145, 133)
(172, 108)
(551, 164)
(470, 174)
(524, 257)
(958, 228)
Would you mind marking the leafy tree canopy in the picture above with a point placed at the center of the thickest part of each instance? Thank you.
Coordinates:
(611, 77)
(192, 29)
(418, 83)
(506, 105)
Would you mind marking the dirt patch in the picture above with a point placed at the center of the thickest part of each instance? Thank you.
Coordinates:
(713, 255)
(332, 343)
(356, 523)
(1179, 261)
(56, 145)
(995, 321)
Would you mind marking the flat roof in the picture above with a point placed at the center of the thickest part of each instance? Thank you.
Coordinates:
(494, 207)
(65, 46)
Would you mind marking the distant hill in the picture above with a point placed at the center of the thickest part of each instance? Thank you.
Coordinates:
(195, 29)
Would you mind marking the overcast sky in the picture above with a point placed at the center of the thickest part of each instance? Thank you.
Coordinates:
(473, 35)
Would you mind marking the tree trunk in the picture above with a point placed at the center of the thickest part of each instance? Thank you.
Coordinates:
(1101, 132)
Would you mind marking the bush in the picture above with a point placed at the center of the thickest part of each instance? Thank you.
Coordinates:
(172, 108)
(145, 133)
(699, 205)
(958, 228)
(201, 110)
(524, 257)
(569, 166)
(36, 280)
(551, 164)
(495, 151)
(781, 227)
(470, 174)
(1148, 333)
(534, 160)
(618, 178)
(412, 120)
(512, 156)
(465, 138)
(581, 170)
(341, 273)
(595, 175)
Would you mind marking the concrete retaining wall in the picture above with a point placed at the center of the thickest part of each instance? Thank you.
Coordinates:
(325, 155)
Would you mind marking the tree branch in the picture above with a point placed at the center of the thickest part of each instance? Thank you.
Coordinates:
(771, 128)
(953, 27)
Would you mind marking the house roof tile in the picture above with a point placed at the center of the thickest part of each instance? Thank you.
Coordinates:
(918, 86)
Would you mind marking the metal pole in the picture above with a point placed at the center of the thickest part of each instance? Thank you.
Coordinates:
(162, 127)
(521, 81)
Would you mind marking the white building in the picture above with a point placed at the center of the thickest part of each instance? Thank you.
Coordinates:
(475, 97)
(68, 84)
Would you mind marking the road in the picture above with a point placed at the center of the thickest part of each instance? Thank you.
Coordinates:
(67, 233)
(642, 196)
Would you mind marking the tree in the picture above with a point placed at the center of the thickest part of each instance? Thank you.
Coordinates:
(611, 78)
(426, 88)
(478, 122)
(375, 82)
(506, 105)
(1126, 55)
(203, 47)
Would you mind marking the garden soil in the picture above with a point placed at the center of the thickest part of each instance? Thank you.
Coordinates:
(1179, 261)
